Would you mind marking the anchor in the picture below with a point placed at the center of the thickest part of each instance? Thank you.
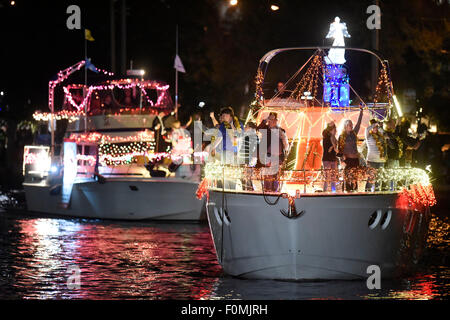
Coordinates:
(292, 210)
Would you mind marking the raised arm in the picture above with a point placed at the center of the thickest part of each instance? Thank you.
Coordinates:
(213, 119)
(358, 124)
(188, 123)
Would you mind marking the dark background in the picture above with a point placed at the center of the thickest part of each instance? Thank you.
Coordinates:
(220, 51)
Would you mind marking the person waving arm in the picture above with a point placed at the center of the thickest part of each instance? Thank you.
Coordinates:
(358, 124)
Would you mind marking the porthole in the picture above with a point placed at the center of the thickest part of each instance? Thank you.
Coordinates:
(386, 219)
(374, 219)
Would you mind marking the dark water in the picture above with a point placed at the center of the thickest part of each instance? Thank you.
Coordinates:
(137, 260)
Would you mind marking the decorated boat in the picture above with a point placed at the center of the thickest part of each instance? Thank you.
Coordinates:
(301, 230)
(108, 155)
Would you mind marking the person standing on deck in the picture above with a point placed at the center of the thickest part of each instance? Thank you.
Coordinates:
(160, 132)
(226, 141)
(329, 159)
(348, 149)
(394, 148)
(276, 142)
(376, 149)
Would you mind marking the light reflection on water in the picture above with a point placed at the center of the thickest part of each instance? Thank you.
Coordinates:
(142, 260)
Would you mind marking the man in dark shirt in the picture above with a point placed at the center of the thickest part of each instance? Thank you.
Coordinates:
(273, 157)
(160, 131)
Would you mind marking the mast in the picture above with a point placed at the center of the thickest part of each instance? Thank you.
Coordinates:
(176, 75)
(376, 48)
(124, 38)
(85, 80)
(112, 19)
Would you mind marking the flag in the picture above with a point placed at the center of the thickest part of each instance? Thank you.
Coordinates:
(88, 35)
(90, 66)
(179, 65)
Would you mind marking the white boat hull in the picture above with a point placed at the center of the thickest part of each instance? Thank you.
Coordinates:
(330, 240)
(122, 199)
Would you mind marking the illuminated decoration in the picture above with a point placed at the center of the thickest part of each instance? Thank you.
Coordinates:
(336, 86)
(88, 158)
(61, 115)
(146, 135)
(36, 160)
(64, 74)
(337, 31)
(162, 100)
(419, 196)
(410, 176)
(336, 89)
(259, 95)
(384, 84)
(202, 189)
(123, 153)
(309, 82)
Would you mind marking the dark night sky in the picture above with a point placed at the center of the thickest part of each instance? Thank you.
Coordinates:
(36, 43)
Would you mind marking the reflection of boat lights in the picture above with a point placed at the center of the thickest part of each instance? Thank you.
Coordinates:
(51, 245)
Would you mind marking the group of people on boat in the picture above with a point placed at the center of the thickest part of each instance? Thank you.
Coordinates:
(386, 146)
(263, 145)
(227, 141)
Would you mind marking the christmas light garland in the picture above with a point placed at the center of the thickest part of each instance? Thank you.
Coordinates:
(123, 84)
(95, 137)
(309, 82)
(123, 153)
(384, 82)
(418, 196)
(61, 115)
(410, 176)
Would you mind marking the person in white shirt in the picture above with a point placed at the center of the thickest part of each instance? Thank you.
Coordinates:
(376, 149)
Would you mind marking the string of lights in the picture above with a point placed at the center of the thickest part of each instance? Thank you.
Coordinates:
(411, 176)
(95, 137)
(161, 89)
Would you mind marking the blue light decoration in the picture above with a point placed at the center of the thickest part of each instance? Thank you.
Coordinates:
(336, 86)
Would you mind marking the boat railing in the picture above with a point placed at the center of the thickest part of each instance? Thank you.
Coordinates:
(340, 181)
